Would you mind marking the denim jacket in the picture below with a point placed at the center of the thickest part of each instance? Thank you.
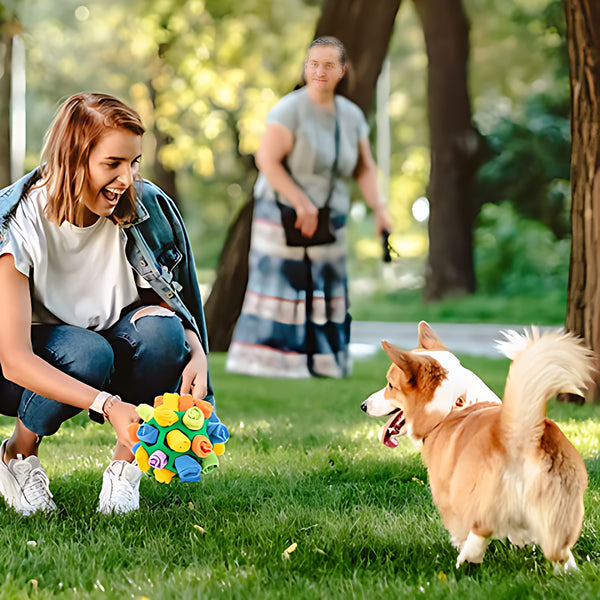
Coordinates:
(157, 248)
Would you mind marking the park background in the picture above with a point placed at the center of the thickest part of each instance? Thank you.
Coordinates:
(203, 75)
(307, 503)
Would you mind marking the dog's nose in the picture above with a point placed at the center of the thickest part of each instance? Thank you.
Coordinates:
(363, 406)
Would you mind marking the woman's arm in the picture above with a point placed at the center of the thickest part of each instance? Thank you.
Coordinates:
(365, 174)
(277, 142)
(21, 366)
(194, 379)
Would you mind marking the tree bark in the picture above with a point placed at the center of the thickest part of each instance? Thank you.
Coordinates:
(164, 177)
(365, 28)
(8, 28)
(455, 148)
(224, 303)
(583, 305)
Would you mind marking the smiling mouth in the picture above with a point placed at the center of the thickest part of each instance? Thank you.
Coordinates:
(393, 429)
(112, 195)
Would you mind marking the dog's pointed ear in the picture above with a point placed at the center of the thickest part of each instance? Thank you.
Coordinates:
(428, 338)
(407, 362)
(396, 355)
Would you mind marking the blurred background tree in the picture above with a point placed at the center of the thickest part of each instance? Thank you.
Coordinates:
(204, 73)
(10, 27)
(583, 316)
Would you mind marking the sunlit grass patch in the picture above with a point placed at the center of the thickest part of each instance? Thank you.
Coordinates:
(304, 469)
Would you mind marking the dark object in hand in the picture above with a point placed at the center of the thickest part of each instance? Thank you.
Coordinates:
(385, 243)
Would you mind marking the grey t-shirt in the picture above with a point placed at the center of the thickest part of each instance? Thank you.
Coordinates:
(311, 160)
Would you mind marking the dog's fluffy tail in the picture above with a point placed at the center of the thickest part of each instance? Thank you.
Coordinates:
(543, 365)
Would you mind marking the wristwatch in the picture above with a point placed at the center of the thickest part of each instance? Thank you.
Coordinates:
(96, 409)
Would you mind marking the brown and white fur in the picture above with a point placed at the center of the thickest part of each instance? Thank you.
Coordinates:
(495, 470)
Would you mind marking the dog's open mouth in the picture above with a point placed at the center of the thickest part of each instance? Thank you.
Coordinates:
(394, 428)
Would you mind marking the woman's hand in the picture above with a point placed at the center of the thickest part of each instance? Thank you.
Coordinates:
(307, 218)
(382, 219)
(121, 415)
(194, 379)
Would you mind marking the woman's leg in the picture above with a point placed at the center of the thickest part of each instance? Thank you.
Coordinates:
(150, 354)
(328, 320)
(269, 336)
(81, 353)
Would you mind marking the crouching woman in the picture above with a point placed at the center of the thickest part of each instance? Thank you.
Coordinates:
(99, 304)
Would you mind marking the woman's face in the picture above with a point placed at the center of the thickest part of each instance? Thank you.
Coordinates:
(112, 168)
(323, 68)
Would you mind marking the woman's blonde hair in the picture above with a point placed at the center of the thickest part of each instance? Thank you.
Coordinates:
(79, 124)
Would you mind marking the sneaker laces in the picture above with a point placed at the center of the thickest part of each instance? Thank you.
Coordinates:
(122, 492)
(36, 485)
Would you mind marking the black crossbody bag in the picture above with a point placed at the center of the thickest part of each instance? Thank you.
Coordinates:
(325, 233)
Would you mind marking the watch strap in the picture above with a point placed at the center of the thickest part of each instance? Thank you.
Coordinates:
(96, 409)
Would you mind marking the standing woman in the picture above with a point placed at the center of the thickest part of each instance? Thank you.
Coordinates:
(99, 303)
(294, 321)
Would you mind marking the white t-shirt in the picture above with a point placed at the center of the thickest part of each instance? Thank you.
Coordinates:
(77, 275)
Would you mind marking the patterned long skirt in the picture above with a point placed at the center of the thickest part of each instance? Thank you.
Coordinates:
(294, 321)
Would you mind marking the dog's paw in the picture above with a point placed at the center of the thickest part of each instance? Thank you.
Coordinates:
(473, 550)
(569, 566)
(456, 544)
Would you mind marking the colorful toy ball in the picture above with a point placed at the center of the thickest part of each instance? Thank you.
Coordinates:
(180, 437)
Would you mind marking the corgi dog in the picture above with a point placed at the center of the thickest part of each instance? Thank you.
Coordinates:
(496, 469)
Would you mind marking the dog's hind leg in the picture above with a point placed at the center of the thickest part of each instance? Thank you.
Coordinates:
(568, 566)
(473, 550)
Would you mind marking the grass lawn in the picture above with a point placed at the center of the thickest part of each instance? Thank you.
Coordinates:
(303, 466)
(407, 305)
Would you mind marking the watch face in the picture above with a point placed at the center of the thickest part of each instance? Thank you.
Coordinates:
(96, 416)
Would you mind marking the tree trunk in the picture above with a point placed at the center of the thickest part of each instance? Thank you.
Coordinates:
(455, 150)
(164, 177)
(365, 28)
(583, 307)
(224, 303)
(7, 31)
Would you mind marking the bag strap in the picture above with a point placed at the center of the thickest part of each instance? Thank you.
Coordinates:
(335, 168)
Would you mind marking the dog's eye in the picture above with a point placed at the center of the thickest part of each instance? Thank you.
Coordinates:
(460, 401)
(390, 387)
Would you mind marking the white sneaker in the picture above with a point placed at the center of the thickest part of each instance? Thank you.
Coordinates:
(24, 484)
(120, 491)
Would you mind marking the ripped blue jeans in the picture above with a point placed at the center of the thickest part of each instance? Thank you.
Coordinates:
(141, 356)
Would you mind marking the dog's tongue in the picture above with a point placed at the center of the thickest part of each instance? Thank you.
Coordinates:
(392, 429)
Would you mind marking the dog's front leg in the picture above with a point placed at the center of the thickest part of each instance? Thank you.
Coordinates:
(473, 550)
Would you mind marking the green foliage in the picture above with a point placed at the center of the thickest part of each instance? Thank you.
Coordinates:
(516, 256)
(522, 272)
(522, 108)
(531, 166)
(204, 73)
(304, 465)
